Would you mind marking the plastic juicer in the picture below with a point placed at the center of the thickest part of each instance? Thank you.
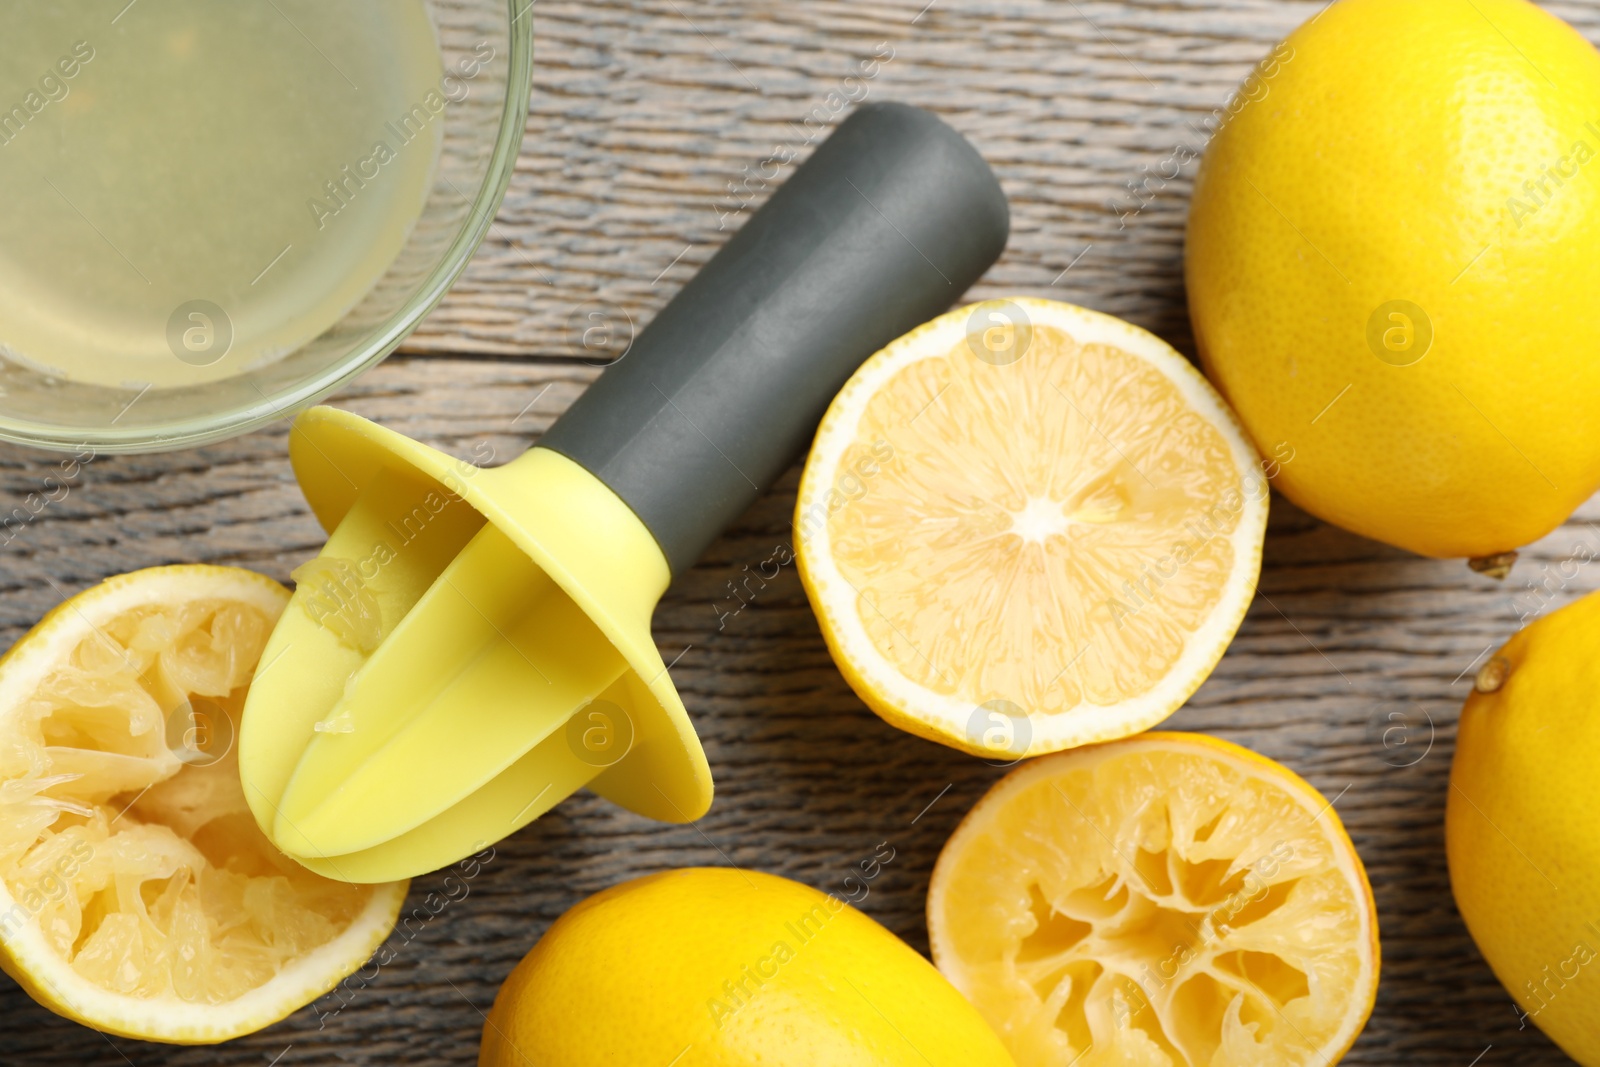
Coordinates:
(473, 645)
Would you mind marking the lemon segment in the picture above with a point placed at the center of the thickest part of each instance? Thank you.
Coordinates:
(136, 894)
(1026, 526)
(1169, 900)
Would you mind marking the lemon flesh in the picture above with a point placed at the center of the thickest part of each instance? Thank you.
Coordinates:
(1169, 900)
(1391, 274)
(138, 895)
(1029, 536)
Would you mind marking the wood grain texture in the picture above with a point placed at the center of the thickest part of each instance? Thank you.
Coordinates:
(643, 113)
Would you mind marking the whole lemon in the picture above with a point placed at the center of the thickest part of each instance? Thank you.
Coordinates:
(1522, 826)
(715, 967)
(1392, 272)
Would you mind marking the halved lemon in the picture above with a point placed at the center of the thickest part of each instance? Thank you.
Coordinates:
(1168, 900)
(136, 894)
(1026, 526)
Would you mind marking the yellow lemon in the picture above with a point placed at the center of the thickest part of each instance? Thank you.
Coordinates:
(730, 968)
(1169, 900)
(1522, 825)
(1025, 526)
(136, 894)
(1391, 269)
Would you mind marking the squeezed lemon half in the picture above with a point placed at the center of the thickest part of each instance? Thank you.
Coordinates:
(1168, 900)
(136, 894)
(1026, 526)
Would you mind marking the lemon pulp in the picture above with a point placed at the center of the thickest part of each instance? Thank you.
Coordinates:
(1030, 515)
(124, 833)
(1158, 901)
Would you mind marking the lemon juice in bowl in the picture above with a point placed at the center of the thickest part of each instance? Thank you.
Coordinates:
(197, 189)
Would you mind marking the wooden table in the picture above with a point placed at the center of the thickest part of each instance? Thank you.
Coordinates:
(1351, 666)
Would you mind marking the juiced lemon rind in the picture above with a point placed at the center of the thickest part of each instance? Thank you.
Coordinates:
(25, 952)
(1297, 880)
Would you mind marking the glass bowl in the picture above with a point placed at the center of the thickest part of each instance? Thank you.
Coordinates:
(475, 119)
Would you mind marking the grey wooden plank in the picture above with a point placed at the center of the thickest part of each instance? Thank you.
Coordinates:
(644, 113)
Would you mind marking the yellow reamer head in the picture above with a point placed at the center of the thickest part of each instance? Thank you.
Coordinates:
(420, 696)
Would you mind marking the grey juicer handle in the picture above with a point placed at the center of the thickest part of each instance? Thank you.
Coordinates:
(886, 225)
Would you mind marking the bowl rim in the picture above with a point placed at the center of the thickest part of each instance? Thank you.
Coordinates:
(237, 421)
